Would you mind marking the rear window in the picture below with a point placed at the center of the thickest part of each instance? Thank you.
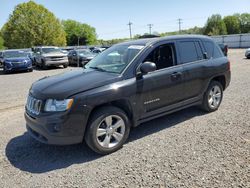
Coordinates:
(213, 51)
(190, 51)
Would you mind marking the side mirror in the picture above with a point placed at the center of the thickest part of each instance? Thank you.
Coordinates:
(147, 67)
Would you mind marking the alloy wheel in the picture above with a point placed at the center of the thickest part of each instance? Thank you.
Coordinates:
(110, 131)
(214, 97)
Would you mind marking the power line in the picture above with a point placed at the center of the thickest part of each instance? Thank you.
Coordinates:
(180, 22)
(130, 32)
(150, 27)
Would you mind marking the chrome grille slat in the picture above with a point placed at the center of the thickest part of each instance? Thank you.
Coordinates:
(33, 105)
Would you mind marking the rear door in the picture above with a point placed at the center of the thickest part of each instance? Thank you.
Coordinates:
(195, 67)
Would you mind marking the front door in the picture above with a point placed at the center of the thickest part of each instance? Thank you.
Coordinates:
(162, 88)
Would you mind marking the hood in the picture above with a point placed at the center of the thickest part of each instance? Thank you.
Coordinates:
(64, 85)
(87, 56)
(54, 54)
(17, 59)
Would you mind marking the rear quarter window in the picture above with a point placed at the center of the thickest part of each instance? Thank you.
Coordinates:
(213, 51)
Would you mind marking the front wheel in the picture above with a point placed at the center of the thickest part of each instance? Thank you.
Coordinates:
(212, 97)
(65, 65)
(44, 66)
(108, 129)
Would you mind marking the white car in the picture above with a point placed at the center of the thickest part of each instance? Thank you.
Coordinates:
(247, 54)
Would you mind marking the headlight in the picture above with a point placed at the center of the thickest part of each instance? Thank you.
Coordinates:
(27, 61)
(53, 105)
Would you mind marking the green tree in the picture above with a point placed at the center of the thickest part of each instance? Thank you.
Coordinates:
(79, 31)
(215, 26)
(32, 24)
(1, 42)
(244, 23)
(232, 24)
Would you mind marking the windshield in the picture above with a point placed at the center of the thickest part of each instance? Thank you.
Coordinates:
(84, 52)
(115, 59)
(13, 54)
(50, 50)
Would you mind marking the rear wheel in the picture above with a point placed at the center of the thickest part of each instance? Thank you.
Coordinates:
(108, 129)
(212, 97)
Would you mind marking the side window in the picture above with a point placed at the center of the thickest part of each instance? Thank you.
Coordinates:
(163, 56)
(217, 52)
(209, 46)
(212, 49)
(190, 51)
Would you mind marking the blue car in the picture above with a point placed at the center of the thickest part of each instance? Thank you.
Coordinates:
(15, 60)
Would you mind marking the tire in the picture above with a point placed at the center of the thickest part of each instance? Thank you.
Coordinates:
(44, 67)
(212, 97)
(30, 70)
(109, 140)
(65, 65)
(4, 70)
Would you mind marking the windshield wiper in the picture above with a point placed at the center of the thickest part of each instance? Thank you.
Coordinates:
(98, 68)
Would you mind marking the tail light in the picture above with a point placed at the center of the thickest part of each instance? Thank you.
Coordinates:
(226, 48)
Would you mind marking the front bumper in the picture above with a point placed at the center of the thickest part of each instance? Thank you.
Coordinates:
(56, 129)
(17, 68)
(56, 62)
(247, 54)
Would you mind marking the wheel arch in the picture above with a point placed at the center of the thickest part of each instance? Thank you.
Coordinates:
(123, 104)
(221, 79)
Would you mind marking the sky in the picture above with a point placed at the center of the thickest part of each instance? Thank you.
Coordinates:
(110, 17)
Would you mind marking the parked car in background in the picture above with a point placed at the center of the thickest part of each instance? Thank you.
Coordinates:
(80, 56)
(46, 56)
(98, 50)
(15, 60)
(247, 54)
(126, 85)
(224, 48)
(31, 55)
(1, 58)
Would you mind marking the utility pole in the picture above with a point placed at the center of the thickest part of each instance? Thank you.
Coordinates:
(130, 32)
(179, 22)
(150, 27)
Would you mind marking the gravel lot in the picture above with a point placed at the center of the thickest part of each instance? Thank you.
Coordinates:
(186, 149)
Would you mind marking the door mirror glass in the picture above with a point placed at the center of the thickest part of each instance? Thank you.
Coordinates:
(147, 67)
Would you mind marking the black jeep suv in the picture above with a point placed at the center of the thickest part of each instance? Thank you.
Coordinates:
(124, 86)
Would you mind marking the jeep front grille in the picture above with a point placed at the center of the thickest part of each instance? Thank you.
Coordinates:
(33, 105)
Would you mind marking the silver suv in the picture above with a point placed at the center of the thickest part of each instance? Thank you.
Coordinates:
(50, 56)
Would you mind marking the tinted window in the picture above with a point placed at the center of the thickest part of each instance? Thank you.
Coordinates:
(217, 52)
(209, 47)
(163, 56)
(188, 51)
(212, 49)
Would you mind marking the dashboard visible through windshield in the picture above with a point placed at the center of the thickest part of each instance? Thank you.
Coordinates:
(115, 59)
